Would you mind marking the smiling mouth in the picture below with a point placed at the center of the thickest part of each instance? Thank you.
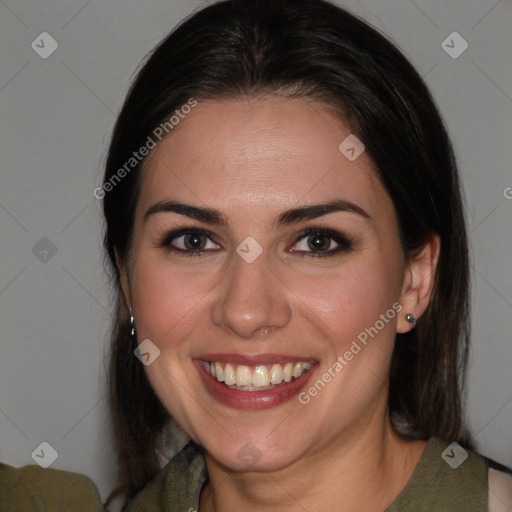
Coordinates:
(255, 378)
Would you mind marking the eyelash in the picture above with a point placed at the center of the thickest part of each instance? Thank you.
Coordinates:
(343, 241)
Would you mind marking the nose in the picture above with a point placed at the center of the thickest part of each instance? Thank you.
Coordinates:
(253, 300)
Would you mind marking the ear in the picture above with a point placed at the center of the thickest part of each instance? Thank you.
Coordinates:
(419, 278)
(125, 282)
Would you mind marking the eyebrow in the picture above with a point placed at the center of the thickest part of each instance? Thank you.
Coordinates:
(287, 218)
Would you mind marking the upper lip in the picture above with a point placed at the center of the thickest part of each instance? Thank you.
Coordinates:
(254, 360)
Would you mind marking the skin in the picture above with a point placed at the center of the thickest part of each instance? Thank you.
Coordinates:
(252, 159)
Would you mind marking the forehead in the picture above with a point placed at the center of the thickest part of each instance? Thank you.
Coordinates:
(258, 155)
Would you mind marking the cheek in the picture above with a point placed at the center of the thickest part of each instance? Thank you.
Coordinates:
(348, 302)
(356, 311)
(166, 302)
(168, 307)
(342, 303)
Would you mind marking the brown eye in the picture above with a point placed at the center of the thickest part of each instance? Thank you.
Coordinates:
(188, 242)
(194, 242)
(321, 242)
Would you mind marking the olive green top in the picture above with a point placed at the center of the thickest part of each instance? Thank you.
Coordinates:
(442, 481)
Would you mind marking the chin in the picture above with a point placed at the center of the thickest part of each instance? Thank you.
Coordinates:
(258, 453)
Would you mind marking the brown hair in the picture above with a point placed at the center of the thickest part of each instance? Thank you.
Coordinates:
(320, 51)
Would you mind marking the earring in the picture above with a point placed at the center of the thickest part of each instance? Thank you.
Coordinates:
(411, 319)
(132, 324)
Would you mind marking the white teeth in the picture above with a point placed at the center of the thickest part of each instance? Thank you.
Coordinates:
(276, 374)
(287, 372)
(229, 375)
(253, 378)
(243, 375)
(260, 376)
(219, 372)
(298, 370)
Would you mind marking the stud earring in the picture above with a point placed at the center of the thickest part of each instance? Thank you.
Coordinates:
(132, 324)
(411, 319)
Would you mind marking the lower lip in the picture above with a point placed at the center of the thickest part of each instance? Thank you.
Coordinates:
(254, 400)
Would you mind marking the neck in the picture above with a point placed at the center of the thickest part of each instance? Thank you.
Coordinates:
(371, 467)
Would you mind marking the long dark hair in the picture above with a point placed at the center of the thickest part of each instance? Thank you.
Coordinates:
(311, 49)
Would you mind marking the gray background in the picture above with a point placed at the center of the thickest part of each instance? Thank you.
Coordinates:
(57, 115)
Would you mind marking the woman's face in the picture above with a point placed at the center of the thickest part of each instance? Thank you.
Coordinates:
(263, 295)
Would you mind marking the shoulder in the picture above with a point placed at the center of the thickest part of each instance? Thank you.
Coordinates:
(34, 489)
(474, 477)
(176, 487)
(447, 477)
(500, 491)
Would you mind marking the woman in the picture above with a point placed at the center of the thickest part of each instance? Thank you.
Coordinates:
(307, 375)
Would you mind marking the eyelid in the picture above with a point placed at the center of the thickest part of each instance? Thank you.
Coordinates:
(166, 240)
(344, 241)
